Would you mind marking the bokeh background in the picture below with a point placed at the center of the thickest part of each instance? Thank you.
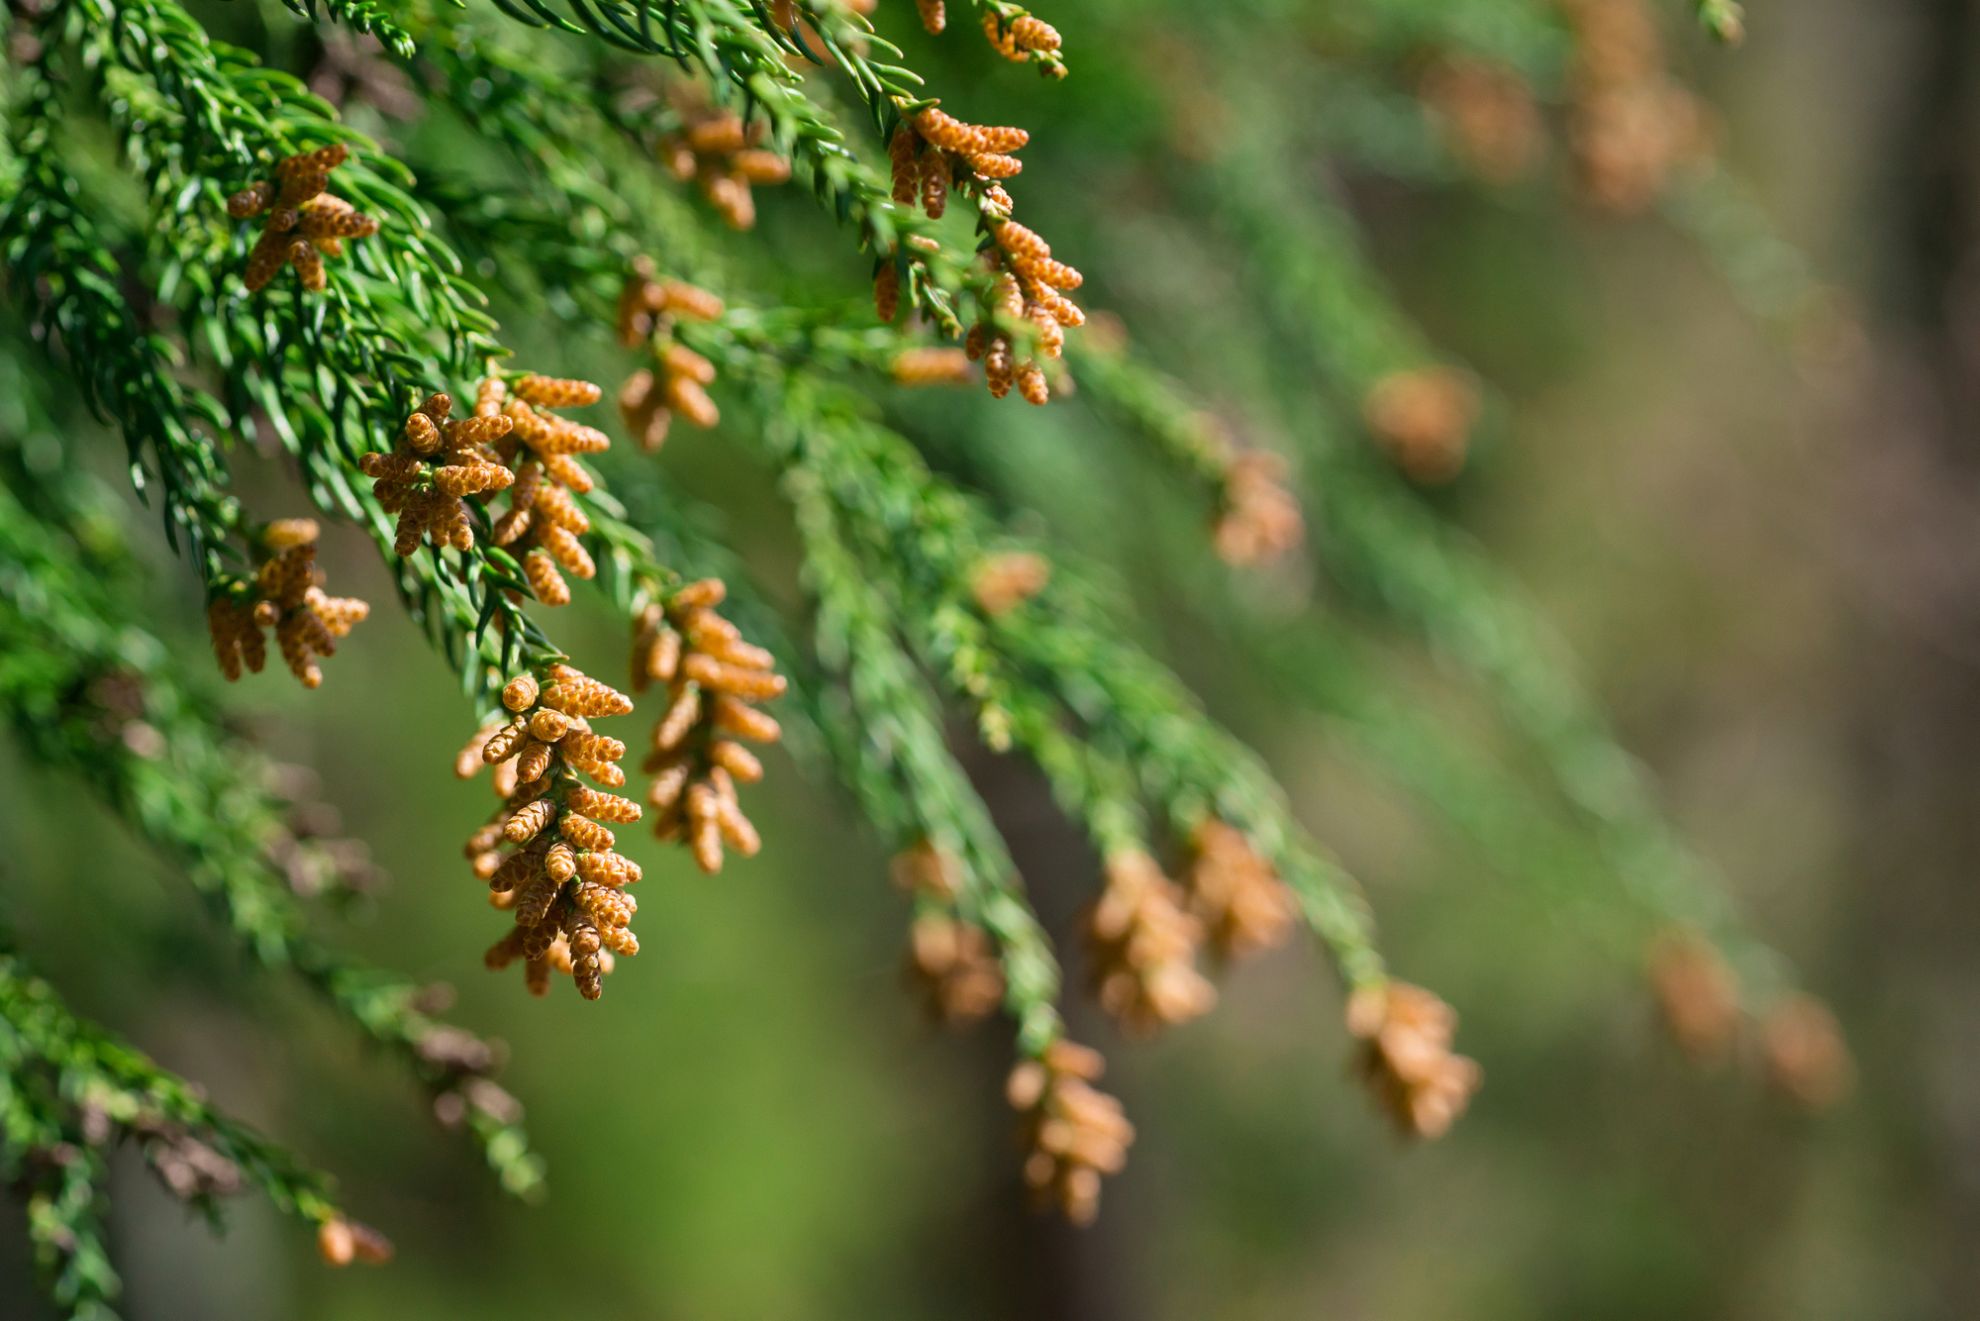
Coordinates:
(1766, 559)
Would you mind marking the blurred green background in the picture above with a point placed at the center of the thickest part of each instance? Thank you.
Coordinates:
(1769, 574)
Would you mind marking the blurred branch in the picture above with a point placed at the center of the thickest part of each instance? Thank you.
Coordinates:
(67, 1091)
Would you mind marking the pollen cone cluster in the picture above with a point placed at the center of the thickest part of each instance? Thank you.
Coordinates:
(544, 520)
(1406, 1058)
(931, 145)
(1258, 519)
(1025, 324)
(438, 464)
(931, 366)
(1800, 1045)
(1142, 944)
(1488, 116)
(1697, 994)
(717, 152)
(1002, 582)
(1019, 37)
(559, 874)
(189, 1169)
(1074, 1133)
(304, 223)
(1025, 40)
(676, 383)
(1422, 418)
(714, 682)
(1027, 292)
(1807, 1060)
(341, 1242)
(953, 966)
(925, 871)
(1235, 893)
(1630, 124)
(286, 595)
(927, 148)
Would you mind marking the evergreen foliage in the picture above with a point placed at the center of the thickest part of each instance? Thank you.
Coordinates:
(547, 178)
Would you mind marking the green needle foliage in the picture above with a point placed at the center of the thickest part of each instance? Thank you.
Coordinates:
(540, 177)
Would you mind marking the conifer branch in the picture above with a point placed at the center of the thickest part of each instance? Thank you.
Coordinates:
(129, 375)
(1516, 830)
(68, 1090)
(373, 345)
(94, 1068)
(99, 702)
(882, 727)
(60, 237)
(1398, 561)
(1771, 278)
(933, 537)
(607, 191)
(61, 1180)
(367, 17)
(918, 594)
(220, 106)
(740, 51)
(1193, 770)
(888, 739)
(1188, 441)
(1310, 255)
